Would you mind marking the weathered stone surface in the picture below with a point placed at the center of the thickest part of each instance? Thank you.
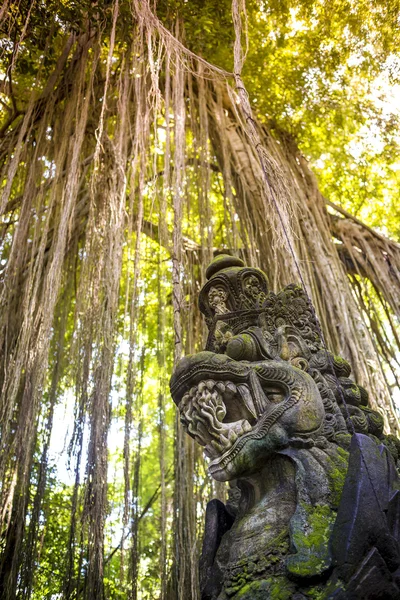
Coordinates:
(372, 581)
(314, 512)
(218, 521)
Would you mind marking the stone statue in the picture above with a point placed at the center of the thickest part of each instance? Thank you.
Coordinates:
(314, 492)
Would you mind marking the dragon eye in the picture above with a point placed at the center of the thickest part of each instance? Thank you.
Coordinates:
(275, 395)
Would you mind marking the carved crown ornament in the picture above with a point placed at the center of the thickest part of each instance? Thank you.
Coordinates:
(313, 511)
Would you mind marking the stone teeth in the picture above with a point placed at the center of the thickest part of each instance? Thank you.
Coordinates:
(246, 426)
(226, 441)
(217, 446)
(221, 387)
(201, 386)
(231, 387)
(210, 384)
(232, 436)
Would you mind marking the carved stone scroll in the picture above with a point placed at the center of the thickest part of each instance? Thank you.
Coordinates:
(314, 511)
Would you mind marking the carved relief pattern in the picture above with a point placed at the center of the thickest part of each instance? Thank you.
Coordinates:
(275, 412)
(217, 297)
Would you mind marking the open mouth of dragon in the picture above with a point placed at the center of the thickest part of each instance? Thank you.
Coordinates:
(222, 416)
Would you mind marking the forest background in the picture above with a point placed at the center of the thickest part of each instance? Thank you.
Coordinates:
(127, 159)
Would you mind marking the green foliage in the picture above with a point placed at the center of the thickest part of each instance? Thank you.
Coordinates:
(53, 538)
(327, 76)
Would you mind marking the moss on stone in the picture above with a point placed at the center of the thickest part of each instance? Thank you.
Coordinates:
(344, 440)
(337, 470)
(281, 590)
(274, 589)
(312, 557)
(254, 566)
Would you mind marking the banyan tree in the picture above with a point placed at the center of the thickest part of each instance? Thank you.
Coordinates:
(133, 150)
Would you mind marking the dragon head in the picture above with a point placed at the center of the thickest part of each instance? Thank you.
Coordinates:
(249, 394)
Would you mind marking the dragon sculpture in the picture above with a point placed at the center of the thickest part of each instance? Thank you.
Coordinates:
(314, 509)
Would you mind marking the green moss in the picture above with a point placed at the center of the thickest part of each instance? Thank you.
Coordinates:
(248, 589)
(310, 537)
(337, 470)
(279, 542)
(281, 590)
(275, 589)
(339, 360)
(322, 591)
(246, 569)
(344, 440)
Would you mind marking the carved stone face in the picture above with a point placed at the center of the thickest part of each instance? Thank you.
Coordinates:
(243, 412)
(266, 382)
